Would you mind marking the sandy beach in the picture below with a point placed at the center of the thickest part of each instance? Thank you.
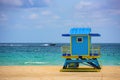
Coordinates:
(53, 73)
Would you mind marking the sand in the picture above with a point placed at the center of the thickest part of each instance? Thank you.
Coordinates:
(53, 73)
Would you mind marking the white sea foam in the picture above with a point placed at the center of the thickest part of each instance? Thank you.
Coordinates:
(35, 62)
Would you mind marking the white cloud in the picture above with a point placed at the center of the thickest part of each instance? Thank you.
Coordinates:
(46, 12)
(115, 11)
(39, 26)
(56, 17)
(25, 3)
(50, 14)
(83, 5)
(31, 2)
(12, 2)
(3, 17)
(91, 10)
(33, 16)
(47, 1)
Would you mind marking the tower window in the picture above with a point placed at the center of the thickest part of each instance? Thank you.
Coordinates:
(79, 39)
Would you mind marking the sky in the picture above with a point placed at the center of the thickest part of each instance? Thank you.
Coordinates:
(43, 21)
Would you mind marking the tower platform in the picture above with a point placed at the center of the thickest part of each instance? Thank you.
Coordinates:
(80, 70)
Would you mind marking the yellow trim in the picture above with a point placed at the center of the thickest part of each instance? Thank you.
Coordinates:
(89, 57)
(70, 56)
(71, 45)
(88, 44)
(84, 69)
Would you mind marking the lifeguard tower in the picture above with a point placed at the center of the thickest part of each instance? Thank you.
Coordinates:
(80, 51)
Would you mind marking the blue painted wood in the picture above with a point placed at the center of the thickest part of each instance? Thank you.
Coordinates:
(80, 30)
(79, 48)
(64, 54)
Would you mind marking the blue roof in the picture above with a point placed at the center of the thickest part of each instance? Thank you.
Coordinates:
(66, 35)
(91, 34)
(94, 34)
(80, 30)
(75, 31)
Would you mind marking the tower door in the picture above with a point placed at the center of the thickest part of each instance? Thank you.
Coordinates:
(79, 45)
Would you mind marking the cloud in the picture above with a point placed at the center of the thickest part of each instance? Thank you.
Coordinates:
(24, 3)
(82, 5)
(3, 17)
(114, 11)
(46, 12)
(56, 17)
(33, 16)
(39, 26)
(100, 13)
(87, 9)
(31, 2)
(47, 1)
(114, 4)
(50, 14)
(36, 3)
(11, 3)
(99, 10)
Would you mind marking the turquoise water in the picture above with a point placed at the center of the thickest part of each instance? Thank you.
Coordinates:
(43, 54)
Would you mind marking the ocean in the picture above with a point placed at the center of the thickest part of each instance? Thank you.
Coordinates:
(40, 54)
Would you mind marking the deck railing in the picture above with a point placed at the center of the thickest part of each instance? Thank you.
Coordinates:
(66, 49)
(94, 51)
